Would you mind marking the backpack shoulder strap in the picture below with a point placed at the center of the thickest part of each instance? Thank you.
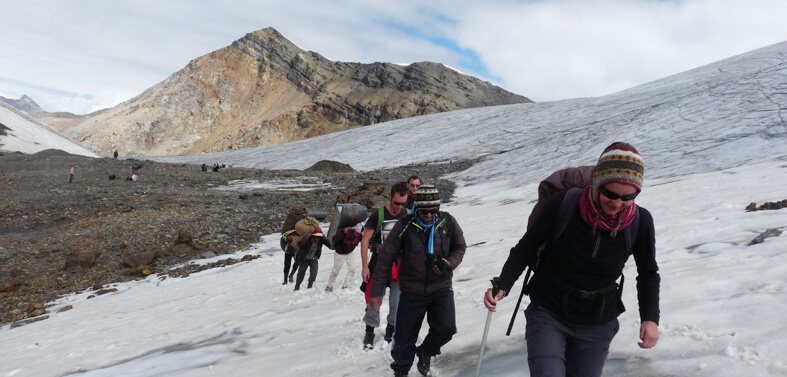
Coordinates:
(380, 215)
(567, 206)
(570, 201)
(631, 232)
(287, 233)
(410, 219)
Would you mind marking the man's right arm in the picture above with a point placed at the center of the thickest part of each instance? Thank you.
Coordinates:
(367, 236)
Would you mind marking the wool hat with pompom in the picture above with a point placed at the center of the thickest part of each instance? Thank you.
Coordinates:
(619, 163)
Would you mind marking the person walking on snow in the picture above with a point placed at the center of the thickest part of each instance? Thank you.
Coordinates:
(344, 242)
(309, 251)
(430, 245)
(378, 226)
(574, 294)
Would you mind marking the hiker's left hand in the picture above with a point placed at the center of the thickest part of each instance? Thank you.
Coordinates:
(491, 301)
(649, 334)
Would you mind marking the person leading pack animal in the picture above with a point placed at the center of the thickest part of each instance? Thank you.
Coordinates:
(575, 297)
(309, 241)
(430, 245)
(378, 226)
(288, 233)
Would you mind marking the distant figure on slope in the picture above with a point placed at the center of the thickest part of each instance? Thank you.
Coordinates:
(344, 242)
(575, 297)
(116, 154)
(71, 174)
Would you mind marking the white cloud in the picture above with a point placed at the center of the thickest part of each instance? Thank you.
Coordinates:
(106, 52)
(564, 49)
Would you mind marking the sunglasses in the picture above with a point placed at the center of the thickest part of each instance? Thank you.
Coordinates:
(611, 195)
(414, 185)
(428, 211)
(398, 203)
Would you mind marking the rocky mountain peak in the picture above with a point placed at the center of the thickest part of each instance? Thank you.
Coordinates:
(24, 103)
(263, 89)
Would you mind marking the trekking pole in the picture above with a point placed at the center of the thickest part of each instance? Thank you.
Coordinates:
(495, 289)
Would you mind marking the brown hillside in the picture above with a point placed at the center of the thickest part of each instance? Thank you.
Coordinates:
(264, 90)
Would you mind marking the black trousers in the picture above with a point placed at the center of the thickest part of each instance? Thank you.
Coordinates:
(313, 268)
(440, 313)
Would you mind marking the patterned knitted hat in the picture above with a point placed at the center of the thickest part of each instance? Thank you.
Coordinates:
(619, 163)
(427, 196)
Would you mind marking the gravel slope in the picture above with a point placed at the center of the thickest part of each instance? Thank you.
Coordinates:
(44, 219)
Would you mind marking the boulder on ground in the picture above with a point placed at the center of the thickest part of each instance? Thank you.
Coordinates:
(181, 250)
(82, 259)
(140, 259)
(331, 166)
(184, 238)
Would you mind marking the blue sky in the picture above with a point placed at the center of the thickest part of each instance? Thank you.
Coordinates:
(84, 55)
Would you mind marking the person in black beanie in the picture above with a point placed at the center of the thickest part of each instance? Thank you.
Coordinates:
(430, 245)
(574, 292)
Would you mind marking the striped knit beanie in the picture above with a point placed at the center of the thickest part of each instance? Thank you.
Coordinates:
(427, 196)
(619, 163)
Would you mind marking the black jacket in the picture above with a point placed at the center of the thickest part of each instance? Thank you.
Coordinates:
(584, 262)
(414, 277)
(310, 249)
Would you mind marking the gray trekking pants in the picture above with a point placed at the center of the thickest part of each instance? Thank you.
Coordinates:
(556, 348)
(372, 316)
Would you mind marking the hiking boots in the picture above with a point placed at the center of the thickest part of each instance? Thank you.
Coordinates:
(329, 289)
(400, 374)
(291, 275)
(389, 330)
(368, 340)
(424, 360)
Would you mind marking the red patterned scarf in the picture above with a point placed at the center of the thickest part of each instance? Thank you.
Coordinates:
(598, 219)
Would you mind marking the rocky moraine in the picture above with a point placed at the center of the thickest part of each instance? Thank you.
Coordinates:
(58, 237)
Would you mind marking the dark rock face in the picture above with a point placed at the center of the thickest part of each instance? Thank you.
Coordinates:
(366, 94)
(264, 90)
